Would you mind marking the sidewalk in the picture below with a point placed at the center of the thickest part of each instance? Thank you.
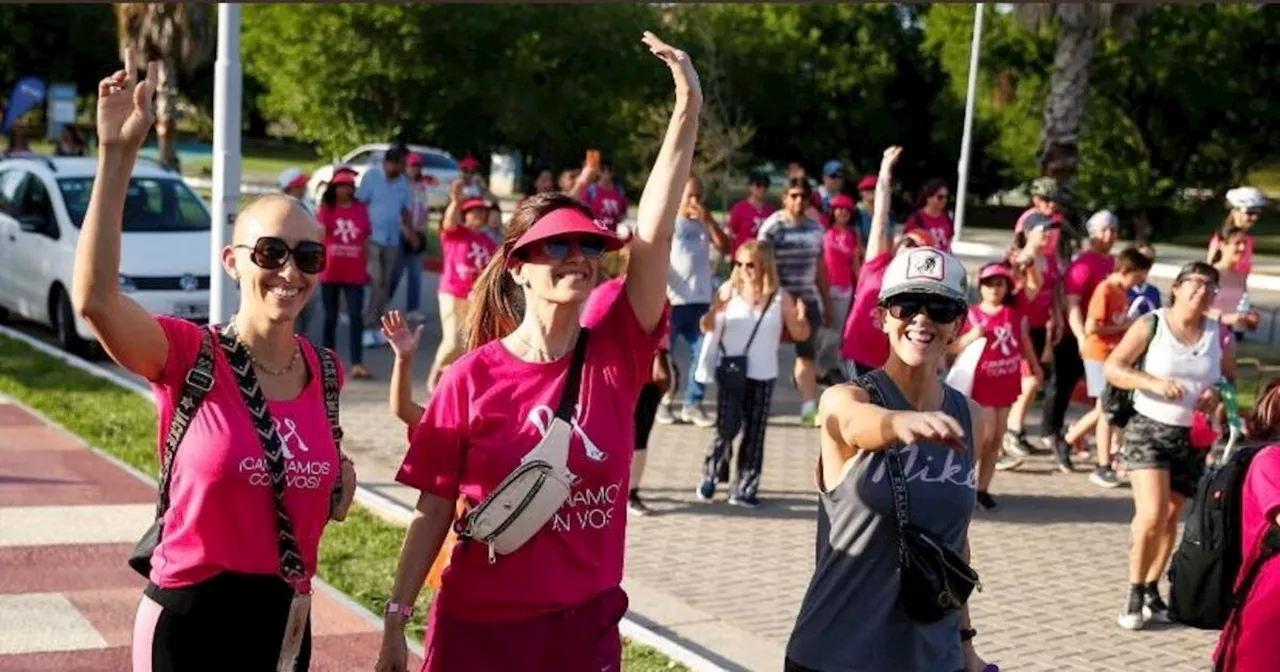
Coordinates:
(68, 519)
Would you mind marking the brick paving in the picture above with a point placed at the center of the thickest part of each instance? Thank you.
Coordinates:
(68, 520)
(1052, 557)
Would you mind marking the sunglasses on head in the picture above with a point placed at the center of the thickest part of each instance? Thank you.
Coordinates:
(940, 310)
(560, 248)
(271, 254)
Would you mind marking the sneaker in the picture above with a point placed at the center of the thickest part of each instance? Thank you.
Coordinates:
(1104, 477)
(746, 502)
(1133, 618)
(707, 490)
(664, 416)
(636, 506)
(1062, 456)
(985, 501)
(1016, 444)
(1008, 462)
(809, 418)
(693, 413)
(1154, 610)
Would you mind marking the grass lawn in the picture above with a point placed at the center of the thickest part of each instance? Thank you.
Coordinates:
(357, 556)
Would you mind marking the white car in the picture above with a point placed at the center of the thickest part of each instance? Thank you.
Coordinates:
(437, 164)
(164, 255)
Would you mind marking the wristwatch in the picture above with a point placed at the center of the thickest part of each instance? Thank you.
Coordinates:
(967, 634)
(399, 609)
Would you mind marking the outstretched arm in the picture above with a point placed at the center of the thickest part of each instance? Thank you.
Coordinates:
(646, 282)
(130, 334)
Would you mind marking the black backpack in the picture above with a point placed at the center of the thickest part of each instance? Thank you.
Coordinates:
(1203, 571)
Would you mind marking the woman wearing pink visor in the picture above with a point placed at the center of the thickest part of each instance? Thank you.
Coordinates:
(525, 427)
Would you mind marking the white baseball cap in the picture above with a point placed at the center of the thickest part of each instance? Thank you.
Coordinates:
(925, 270)
(1246, 198)
(1101, 221)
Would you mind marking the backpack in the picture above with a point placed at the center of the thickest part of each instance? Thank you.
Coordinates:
(1203, 571)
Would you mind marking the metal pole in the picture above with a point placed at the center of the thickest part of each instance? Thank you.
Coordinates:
(966, 142)
(227, 83)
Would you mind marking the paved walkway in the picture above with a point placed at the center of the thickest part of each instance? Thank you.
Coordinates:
(68, 519)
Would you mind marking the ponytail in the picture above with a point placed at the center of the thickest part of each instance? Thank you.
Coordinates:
(497, 304)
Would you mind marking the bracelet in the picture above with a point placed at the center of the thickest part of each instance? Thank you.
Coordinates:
(967, 634)
(400, 609)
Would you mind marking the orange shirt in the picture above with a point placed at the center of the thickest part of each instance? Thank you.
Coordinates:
(1108, 307)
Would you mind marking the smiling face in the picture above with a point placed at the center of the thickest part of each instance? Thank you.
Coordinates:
(560, 270)
(920, 327)
(278, 294)
(1196, 291)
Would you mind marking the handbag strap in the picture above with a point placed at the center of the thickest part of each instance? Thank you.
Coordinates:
(329, 378)
(291, 565)
(569, 397)
(198, 383)
(901, 501)
(747, 348)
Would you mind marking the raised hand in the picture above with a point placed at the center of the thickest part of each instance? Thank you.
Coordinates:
(890, 157)
(403, 341)
(126, 109)
(681, 67)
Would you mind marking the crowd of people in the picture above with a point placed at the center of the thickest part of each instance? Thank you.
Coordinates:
(555, 364)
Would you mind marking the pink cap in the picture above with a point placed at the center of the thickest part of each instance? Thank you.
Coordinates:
(867, 183)
(415, 159)
(842, 201)
(474, 204)
(995, 270)
(469, 163)
(567, 221)
(343, 175)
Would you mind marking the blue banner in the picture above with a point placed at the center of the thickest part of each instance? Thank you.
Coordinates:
(27, 93)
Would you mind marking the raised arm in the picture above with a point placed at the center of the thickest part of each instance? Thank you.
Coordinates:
(129, 333)
(880, 238)
(646, 282)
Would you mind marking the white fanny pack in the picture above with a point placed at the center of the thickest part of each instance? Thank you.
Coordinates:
(532, 493)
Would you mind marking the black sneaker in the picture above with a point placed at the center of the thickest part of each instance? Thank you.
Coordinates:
(1104, 477)
(636, 506)
(707, 490)
(1062, 456)
(985, 501)
(1133, 617)
(1154, 610)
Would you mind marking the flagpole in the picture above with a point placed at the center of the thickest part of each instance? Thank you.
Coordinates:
(966, 141)
(227, 83)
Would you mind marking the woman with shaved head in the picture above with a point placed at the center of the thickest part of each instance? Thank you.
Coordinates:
(253, 407)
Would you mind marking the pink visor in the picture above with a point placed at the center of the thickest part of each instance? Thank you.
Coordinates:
(474, 204)
(567, 221)
(344, 176)
(867, 183)
(842, 201)
(995, 271)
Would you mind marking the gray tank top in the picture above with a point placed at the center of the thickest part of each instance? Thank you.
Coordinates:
(850, 620)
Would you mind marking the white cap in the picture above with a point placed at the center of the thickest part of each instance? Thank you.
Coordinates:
(288, 177)
(1246, 198)
(1101, 221)
(925, 270)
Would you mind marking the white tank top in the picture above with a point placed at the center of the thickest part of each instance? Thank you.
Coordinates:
(1197, 367)
(739, 319)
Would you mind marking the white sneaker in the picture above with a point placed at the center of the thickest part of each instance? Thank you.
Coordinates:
(693, 413)
(664, 416)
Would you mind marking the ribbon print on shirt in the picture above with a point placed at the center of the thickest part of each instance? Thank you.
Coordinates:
(345, 230)
(589, 508)
(478, 255)
(300, 472)
(1004, 339)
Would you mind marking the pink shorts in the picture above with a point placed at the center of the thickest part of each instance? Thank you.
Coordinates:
(580, 639)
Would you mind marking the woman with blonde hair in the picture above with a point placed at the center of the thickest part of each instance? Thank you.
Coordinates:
(745, 325)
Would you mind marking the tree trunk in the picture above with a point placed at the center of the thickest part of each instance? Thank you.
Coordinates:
(1068, 94)
(167, 115)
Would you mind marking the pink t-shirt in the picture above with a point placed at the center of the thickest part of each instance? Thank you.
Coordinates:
(864, 339)
(839, 248)
(466, 252)
(1039, 310)
(602, 298)
(1245, 265)
(609, 204)
(346, 230)
(998, 378)
(1085, 273)
(1255, 648)
(489, 409)
(221, 517)
(941, 228)
(745, 218)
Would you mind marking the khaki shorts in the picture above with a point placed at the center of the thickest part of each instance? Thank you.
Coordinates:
(453, 325)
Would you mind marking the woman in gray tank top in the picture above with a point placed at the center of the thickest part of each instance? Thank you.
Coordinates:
(851, 619)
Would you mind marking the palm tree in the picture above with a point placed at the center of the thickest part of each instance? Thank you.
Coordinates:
(1079, 26)
(181, 37)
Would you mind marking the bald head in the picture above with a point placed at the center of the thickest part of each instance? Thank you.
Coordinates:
(275, 215)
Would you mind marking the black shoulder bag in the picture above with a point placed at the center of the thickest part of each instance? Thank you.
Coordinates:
(1117, 404)
(935, 580)
(731, 371)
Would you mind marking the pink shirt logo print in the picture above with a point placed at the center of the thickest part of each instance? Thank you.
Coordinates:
(1004, 340)
(540, 417)
(345, 230)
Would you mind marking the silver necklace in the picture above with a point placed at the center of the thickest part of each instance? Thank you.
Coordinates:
(545, 355)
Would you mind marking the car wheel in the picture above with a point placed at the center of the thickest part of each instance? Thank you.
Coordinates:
(4, 315)
(64, 322)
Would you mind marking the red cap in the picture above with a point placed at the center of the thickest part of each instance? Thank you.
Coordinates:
(842, 201)
(415, 159)
(567, 221)
(343, 175)
(923, 238)
(995, 270)
(469, 163)
(867, 183)
(474, 204)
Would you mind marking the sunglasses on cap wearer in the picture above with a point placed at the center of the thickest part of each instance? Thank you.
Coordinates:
(744, 264)
(271, 254)
(559, 248)
(941, 310)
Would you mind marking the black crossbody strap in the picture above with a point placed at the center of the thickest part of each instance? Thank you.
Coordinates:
(198, 383)
(569, 397)
(329, 377)
(747, 348)
(893, 464)
(291, 566)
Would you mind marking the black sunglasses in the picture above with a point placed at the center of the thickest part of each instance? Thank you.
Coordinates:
(796, 194)
(744, 264)
(271, 253)
(560, 248)
(940, 310)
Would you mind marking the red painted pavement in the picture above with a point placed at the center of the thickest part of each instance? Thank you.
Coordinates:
(43, 466)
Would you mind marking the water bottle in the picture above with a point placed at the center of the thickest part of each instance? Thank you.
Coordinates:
(1231, 404)
(1244, 305)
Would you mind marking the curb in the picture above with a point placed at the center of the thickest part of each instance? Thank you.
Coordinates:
(380, 505)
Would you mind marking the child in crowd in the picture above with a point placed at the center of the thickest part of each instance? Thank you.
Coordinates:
(1144, 298)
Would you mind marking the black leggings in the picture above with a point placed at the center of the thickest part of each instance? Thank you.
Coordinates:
(329, 294)
(230, 622)
(1060, 384)
(646, 411)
